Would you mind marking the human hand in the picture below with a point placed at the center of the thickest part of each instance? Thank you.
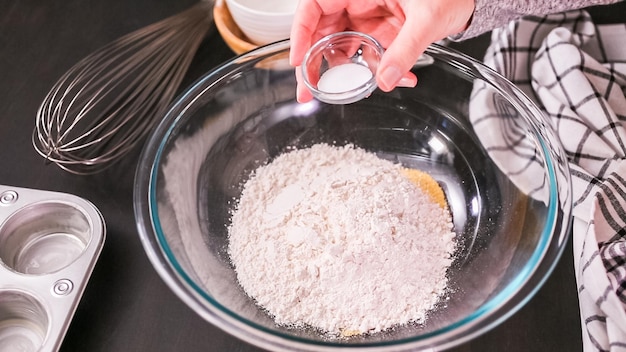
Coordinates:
(404, 27)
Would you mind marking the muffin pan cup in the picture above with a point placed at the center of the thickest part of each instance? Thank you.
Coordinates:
(49, 245)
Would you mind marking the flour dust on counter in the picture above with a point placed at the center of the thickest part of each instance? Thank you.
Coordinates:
(341, 240)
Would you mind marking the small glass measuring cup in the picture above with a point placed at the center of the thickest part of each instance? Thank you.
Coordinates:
(340, 68)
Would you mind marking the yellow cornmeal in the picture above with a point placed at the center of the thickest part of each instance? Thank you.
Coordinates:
(428, 184)
(350, 333)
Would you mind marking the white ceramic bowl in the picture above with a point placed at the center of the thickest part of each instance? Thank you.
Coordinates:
(263, 22)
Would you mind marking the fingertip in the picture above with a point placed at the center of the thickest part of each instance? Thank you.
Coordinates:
(388, 78)
(408, 81)
(303, 95)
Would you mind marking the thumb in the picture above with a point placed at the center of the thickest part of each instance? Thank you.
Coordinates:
(401, 55)
(425, 23)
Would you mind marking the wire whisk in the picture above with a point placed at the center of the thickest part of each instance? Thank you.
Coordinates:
(109, 101)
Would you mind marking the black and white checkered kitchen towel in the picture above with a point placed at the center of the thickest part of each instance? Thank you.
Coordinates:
(576, 72)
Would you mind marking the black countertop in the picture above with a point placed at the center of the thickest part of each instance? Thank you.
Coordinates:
(126, 306)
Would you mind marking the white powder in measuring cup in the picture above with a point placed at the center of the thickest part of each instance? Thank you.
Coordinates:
(344, 78)
(336, 238)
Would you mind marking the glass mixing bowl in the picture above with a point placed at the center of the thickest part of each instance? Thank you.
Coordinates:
(503, 172)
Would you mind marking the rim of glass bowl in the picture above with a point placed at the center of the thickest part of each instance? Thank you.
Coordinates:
(489, 315)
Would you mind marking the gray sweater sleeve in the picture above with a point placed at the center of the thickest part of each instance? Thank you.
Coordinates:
(490, 14)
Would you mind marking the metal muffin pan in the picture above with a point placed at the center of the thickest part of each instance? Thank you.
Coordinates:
(49, 245)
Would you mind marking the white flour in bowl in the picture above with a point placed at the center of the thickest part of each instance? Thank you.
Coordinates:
(338, 239)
